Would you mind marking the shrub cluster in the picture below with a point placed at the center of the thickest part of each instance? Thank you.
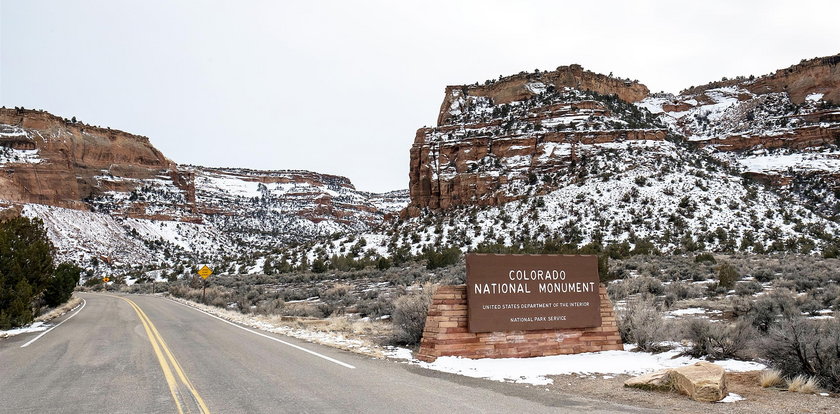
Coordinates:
(641, 323)
(29, 279)
(805, 347)
(410, 316)
(772, 326)
(718, 340)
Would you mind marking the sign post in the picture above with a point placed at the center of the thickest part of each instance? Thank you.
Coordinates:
(204, 272)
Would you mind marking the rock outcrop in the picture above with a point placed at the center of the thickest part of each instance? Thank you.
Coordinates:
(521, 86)
(652, 381)
(50, 160)
(817, 75)
(509, 139)
(783, 128)
(518, 130)
(8, 213)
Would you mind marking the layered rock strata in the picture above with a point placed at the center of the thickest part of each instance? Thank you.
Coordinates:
(520, 129)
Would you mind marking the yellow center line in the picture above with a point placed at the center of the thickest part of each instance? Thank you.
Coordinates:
(163, 353)
(175, 364)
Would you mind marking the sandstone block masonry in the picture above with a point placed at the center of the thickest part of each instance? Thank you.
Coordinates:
(446, 333)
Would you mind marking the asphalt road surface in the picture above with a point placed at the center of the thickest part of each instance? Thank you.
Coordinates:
(143, 354)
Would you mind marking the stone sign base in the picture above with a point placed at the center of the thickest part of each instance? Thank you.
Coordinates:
(446, 333)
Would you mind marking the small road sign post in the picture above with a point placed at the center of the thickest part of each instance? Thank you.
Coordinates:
(204, 272)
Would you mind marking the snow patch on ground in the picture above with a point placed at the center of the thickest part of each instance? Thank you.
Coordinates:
(34, 327)
(814, 161)
(814, 97)
(732, 397)
(537, 370)
(16, 156)
(688, 311)
(692, 312)
(536, 87)
(398, 353)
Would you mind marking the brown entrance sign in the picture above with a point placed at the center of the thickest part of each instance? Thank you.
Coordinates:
(531, 292)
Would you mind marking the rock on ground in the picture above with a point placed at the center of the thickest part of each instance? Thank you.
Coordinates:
(703, 381)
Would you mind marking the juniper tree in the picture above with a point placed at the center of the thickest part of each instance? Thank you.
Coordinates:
(26, 266)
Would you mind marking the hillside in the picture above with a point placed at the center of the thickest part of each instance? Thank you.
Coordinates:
(489, 149)
(782, 128)
(570, 156)
(567, 156)
(110, 200)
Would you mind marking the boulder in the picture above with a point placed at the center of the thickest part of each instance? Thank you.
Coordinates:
(652, 381)
(703, 381)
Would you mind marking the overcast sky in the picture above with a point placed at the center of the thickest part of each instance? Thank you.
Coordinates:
(341, 87)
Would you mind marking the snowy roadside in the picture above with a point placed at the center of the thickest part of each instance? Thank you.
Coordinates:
(33, 327)
(535, 371)
(340, 333)
(41, 323)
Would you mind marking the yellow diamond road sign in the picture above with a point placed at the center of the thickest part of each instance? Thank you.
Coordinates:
(204, 272)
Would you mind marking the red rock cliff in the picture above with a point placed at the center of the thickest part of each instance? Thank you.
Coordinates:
(492, 139)
(818, 75)
(520, 87)
(63, 158)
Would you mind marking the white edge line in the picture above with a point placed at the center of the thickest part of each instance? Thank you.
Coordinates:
(59, 324)
(333, 360)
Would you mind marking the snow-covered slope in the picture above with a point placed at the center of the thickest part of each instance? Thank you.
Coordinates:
(91, 239)
(633, 191)
(265, 209)
(782, 128)
(232, 213)
(111, 201)
(520, 160)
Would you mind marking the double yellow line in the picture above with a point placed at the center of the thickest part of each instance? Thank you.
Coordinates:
(168, 364)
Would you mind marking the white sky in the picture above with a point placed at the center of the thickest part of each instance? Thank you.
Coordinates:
(341, 87)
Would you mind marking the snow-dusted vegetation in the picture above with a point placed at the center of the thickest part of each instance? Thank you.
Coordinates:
(644, 193)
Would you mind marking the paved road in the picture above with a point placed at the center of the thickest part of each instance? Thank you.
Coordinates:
(142, 354)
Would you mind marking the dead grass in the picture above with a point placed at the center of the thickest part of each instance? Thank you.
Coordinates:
(804, 384)
(361, 336)
(343, 324)
(61, 310)
(771, 378)
(746, 384)
(795, 384)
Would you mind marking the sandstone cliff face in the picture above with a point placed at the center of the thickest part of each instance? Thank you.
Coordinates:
(815, 76)
(820, 75)
(778, 128)
(509, 139)
(52, 161)
(525, 85)
(60, 160)
(114, 180)
(304, 194)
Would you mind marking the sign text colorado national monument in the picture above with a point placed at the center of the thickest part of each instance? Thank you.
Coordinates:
(531, 292)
